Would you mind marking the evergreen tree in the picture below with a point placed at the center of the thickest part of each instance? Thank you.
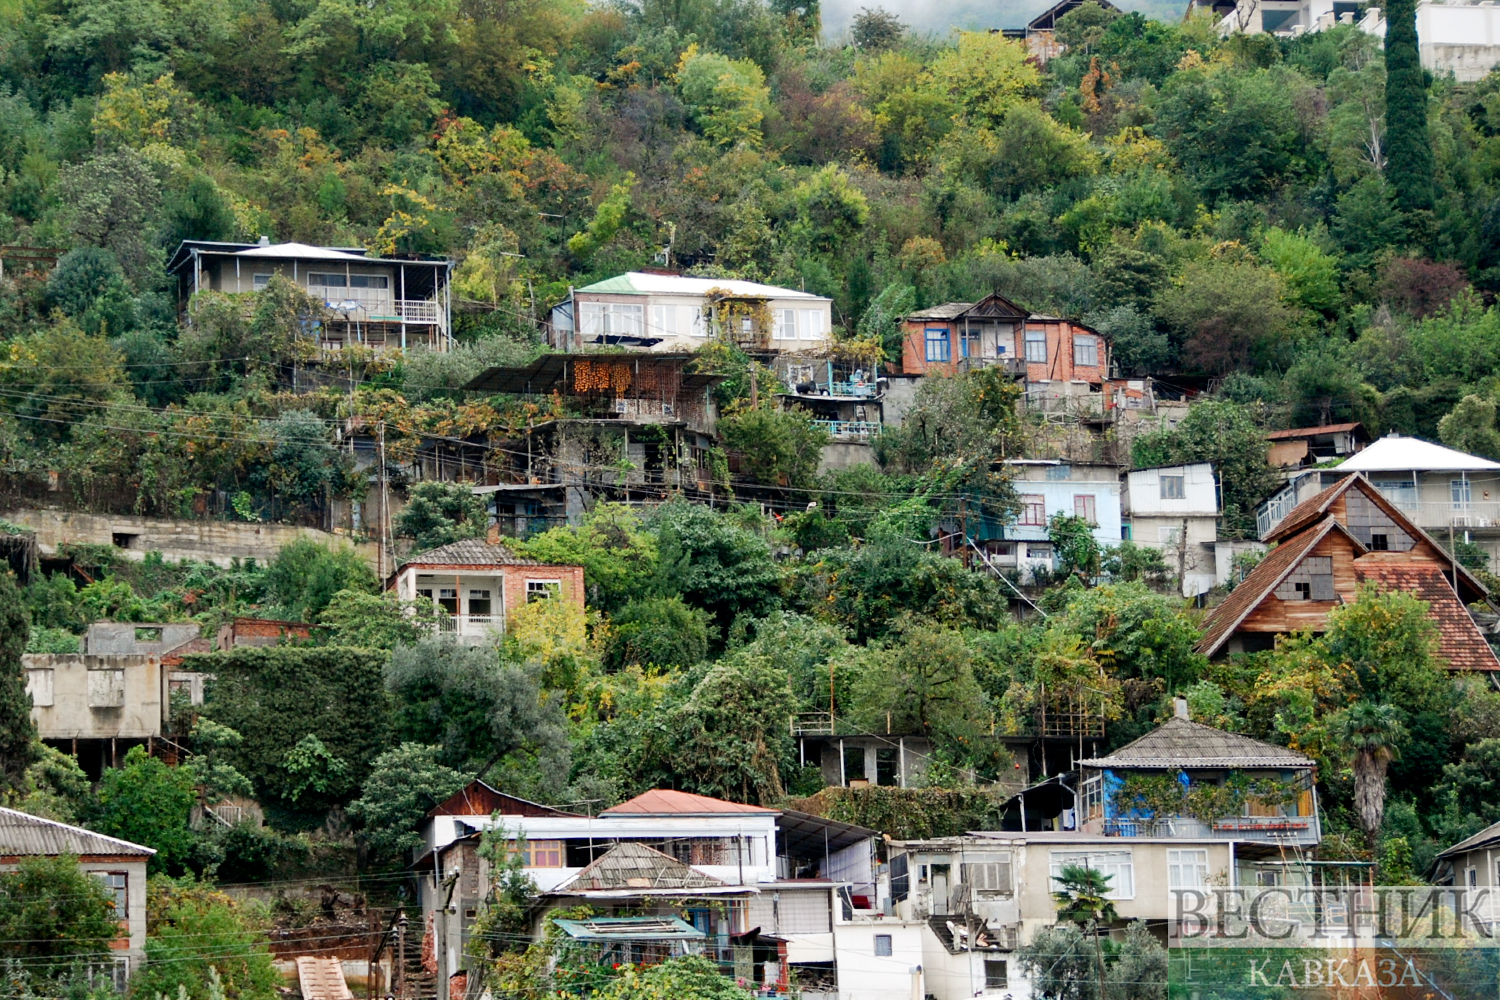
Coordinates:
(16, 728)
(1408, 151)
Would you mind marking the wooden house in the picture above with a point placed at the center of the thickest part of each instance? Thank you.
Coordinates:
(1333, 542)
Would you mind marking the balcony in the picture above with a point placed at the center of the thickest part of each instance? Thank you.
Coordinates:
(849, 430)
(1289, 830)
(471, 630)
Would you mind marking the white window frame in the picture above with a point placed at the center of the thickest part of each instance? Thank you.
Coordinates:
(611, 319)
(1169, 534)
(1035, 346)
(542, 590)
(259, 281)
(1461, 491)
(1119, 865)
(120, 893)
(810, 325)
(785, 325)
(1187, 868)
(1173, 487)
(1085, 350)
(664, 321)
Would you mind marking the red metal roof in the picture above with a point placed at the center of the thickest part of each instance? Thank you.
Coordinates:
(1303, 432)
(1459, 639)
(670, 802)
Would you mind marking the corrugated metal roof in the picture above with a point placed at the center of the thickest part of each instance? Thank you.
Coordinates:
(470, 552)
(25, 835)
(1183, 743)
(631, 929)
(1302, 432)
(303, 251)
(1394, 453)
(640, 283)
(322, 979)
(670, 802)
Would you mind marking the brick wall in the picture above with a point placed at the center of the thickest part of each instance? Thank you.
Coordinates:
(570, 577)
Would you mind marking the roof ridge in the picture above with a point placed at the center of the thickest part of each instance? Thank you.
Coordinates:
(71, 828)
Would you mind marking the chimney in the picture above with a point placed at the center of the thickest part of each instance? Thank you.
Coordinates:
(265, 241)
(1180, 709)
(492, 537)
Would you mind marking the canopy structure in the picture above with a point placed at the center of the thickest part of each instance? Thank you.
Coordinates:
(1394, 453)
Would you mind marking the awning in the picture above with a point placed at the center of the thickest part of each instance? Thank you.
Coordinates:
(806, 836)
(631, 929)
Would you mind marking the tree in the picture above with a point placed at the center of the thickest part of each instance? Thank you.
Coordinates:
(56, 787)
(716, 565)
(733, 732)
(876, 29)
(1080, 29)
(147, 802)
(1060, 964)
(81, 277)
(1470, 427)
(1231, 314)
(1082, 897)
(619, 559)
(691, 977)
(376, 621)
(780, 447)
(922, 684)
(479, 710)
(1409, 149)
(54, 916)
(660, 632)
(437, 513)
(305, 576)
(1226, 435)
(1371, 732)
(987, 74)
(728, 97)
(110, 200)
(1139, 971)
(404, 784)
(203, 941)
(17, 731)
(1074, 542)
(304, 467)
(1311, 274)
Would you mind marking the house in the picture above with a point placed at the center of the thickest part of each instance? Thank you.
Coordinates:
(1472, 863)
(1175, 510)
(844, 397)
(1304, 447)
(241, 631)
(653, 311)
(1040, 32)
(1348, 534)
(374, 301)
(858, 760)
(788, 874)
(477, 583)
(1046, 488)
(118, 864)
(611, 426)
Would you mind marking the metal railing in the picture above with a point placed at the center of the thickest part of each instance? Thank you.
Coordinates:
(812, 724)
(865, 389)
(468, 624)
(1275, 510)
(845, 430)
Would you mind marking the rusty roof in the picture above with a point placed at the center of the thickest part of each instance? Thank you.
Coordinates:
(670, 802)
(25, 835)
(479, 799)
(635, 866)
(1302, 432)
(1459, 639)
(1180, 743)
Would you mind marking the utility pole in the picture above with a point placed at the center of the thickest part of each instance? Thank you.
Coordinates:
(400, 976)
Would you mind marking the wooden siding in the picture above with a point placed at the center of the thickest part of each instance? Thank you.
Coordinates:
(1275, 615)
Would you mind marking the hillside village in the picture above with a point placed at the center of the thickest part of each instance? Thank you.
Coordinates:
(644, 500)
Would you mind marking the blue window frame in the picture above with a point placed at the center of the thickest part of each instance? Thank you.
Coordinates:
(938, 346)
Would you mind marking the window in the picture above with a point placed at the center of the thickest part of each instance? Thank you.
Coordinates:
(105, 688)
(1084, 507)
(1312, 580)
(1115, 864)
(540, 590)
(369, 281)
(988, 876)
(854, 764)
(1036, 346)
(937, 345)
(1169, 536)
(882, 946)
(116, 883)
(1039, 550)
(971, 344)
(448, 599)
(315, 280)
(611, 319)
(542, 853)
(995, 975)
(479, 602)
(663, 321)
(786, 325)
(1187, 869)
(1459, 490)
(1472, 878)
(1085, 350)
(1303, 590)
(260, 281)
(1033, 510)
(810, 324)
(1173, 487)
(1380, 542)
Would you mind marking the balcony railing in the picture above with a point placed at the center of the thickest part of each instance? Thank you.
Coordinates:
(1295, 829)
(474, 625)
(849, 430)
(863, 389)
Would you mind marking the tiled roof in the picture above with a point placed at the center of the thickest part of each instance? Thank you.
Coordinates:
(1459, 639)
(22, 834)
(1308, 511)
(470, 552)
(670, 802)
(1224, 619)
(947, 310)
(1182, 743)
(636, 866)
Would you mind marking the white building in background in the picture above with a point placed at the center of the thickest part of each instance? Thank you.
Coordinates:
(1175, 510)
(1462, 39)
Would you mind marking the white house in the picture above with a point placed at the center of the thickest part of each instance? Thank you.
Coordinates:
(1045, 488)
(669, 312)
(1175, 510)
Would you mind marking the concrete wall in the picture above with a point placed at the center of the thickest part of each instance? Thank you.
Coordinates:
(217, 542)
(78, 696)
(129, 638)
(845, 455)
(864, 975)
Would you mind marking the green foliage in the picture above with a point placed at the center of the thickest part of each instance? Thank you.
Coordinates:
(659, 632)
(1060, 962)
(202, 941)
(437, 513)
(17, 749)
(691, 976)
(1167, 795)
(504, 918)
(1226, 435)
(310, 771)
(1410, 159)
(147, 802)
(619, 559)
(1081, 895)
(907, 813)
(780, 447)
(732, 735)
(376, 621)
(275, 697)
(404, 784)
(728, 97)
(1073, 541)
(1470, 427)
(713, 563)
(305, 576)
(54, 916)
(56, 787)
(923, 684)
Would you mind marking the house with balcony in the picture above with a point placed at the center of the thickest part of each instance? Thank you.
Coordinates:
(667, 312)
(844, 397)
(377, 302)
(1175, 510)
(1348, 534)
(1046, 488)
(478, 582)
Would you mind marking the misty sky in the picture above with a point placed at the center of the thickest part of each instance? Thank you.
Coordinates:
(940, 16)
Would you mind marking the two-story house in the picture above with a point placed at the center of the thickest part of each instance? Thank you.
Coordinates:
(1350, 533)
(1046, 488)
(667, 312)
(373, 301)
(1175, 510)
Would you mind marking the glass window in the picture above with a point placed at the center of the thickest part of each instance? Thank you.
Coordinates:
(448, 599)
(996, 976)
(1085, 350)
(663, 321)
(1473, 878)
(882, 946)
(1084, 506)
(810, 324)
(1036, 346)
(1169, 536)
(1173, 487)
(316, 280)
(1379, 542)
(1116, 865)
(1039, 550)
(988, 876)
(369, 281)
(785, 327)
(479, 602)
(937, 345)
(538, 590)
(542, 853)
(117, 885)
(1187, 869)
(260, 280)
(1459, 490)
(1033, 510)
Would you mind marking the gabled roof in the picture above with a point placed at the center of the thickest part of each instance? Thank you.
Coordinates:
(1394, 453)
(1310, 510)
(1263, 579)
(304, 251)
(1181, 743)
(1487, 837)
(479, 799)
(637, 867)
(470, 552)
(992, 306)
(1459, 639)
(25, 835)
(644, 283)
(670, 802)
(1047, 19)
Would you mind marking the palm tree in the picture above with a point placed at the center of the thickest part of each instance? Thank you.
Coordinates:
(1081, 896)
(1371, 733)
